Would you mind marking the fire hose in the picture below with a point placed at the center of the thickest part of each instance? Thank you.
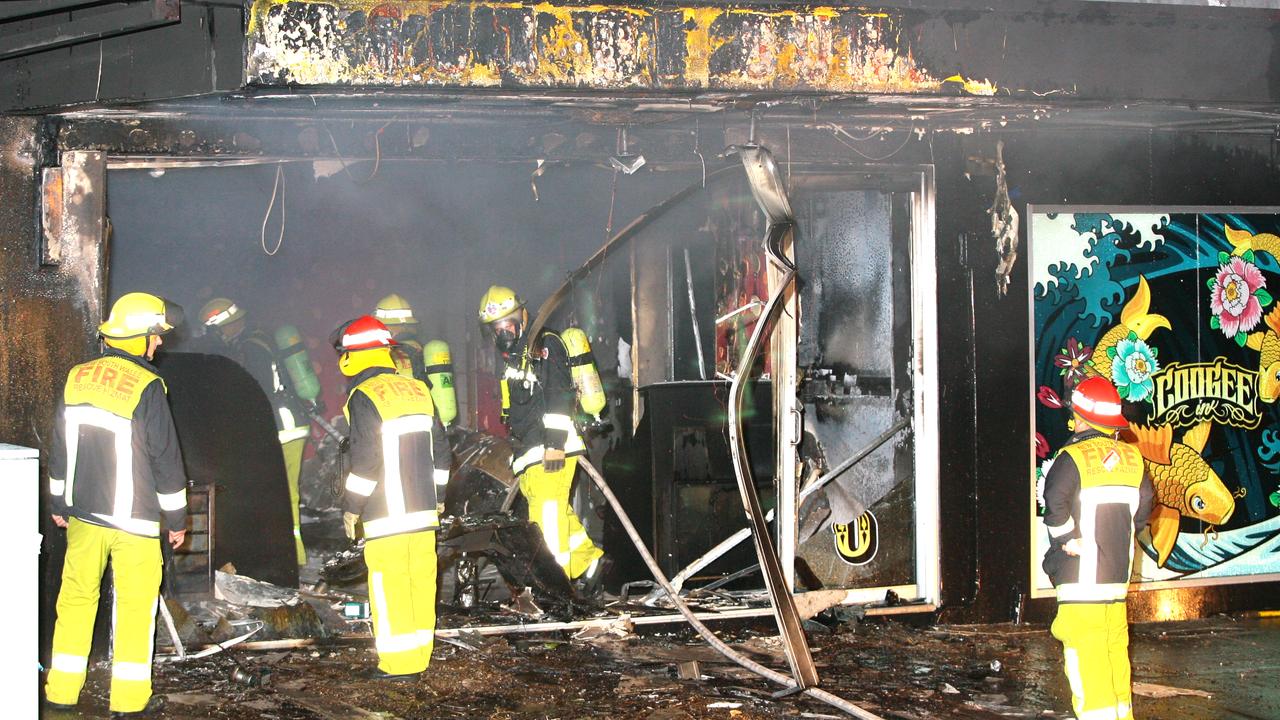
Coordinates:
(715, 642)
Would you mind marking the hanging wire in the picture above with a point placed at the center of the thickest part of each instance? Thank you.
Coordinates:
(696, 135)
(837, 131)
(277, 186)
(377, 150)
(613, 197)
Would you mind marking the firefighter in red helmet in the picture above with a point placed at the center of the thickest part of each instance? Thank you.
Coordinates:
(399, 459)
(1097, 495)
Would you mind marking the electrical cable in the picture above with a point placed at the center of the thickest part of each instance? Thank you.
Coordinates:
(836, 131)
(377, 150)
(706, 633)
(262, 237)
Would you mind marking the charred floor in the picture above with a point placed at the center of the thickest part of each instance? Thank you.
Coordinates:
(827, 283)
(895, 668)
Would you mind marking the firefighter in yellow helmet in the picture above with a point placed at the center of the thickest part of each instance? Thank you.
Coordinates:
(399, 458)
(397, 314)
(225, 322)
(117, 484)
(538, 400)
(1097, 495)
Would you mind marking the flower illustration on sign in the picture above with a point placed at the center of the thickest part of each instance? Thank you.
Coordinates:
(1048, 397)
(1072, 361)
(1237, 295)
(1133, 364)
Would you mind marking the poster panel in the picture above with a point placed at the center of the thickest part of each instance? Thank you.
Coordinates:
(1175, 306)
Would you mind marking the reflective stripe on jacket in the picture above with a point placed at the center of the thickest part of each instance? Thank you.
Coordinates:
(399, 454)
(115, 459)
(1097, 492)
(538, 400)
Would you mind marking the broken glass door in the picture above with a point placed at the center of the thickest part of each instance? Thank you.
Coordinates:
(865, 501)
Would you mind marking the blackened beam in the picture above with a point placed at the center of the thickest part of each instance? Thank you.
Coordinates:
(550, 140)
(30, 8)
(73, 31)
(1019, 49)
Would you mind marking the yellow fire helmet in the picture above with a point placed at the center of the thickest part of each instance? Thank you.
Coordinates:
(498, 302)
(395, 310)
(220, 311)
(139, 314)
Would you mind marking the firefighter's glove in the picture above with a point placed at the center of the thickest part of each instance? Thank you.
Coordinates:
(552, 460)
(349, 521)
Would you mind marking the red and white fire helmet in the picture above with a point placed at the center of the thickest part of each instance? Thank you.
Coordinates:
(1096, 400)
(364, 333)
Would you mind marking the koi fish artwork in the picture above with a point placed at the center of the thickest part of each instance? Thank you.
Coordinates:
(1185, 484)
(1136, 318)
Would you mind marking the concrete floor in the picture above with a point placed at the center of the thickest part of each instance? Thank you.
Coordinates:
(887, 667)
(1236, 661)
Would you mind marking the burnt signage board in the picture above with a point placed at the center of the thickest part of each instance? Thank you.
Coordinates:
(616, 47)
(1175, 307)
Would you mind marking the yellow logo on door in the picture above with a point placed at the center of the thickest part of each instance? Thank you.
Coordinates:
(857, 541)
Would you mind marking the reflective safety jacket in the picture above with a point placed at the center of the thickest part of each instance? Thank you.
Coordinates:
(399, 454)
(1098, 491)
(116, 460)
(538, 399)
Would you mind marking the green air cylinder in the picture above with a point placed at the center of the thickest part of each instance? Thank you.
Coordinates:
(586, 379)
(293, 354)
(439, 367)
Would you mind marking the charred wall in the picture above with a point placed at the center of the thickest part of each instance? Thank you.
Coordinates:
(985, 352)
(46, 316)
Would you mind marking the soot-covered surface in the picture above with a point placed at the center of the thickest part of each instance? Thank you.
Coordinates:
(885, 666)
(229, 440)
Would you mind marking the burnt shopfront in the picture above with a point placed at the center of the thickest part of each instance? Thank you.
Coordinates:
(941, 214)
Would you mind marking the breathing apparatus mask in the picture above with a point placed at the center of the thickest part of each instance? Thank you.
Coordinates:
(506, 333)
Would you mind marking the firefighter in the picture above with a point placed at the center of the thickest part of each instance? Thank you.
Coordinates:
(397, 314)
(1097, 495)
(226, 321)
(116, 481)
(399, 466)
(538, 400)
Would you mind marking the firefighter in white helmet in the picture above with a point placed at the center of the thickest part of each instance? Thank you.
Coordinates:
(226, 322)
(538, 399)
(397, 314)
(117, 484)
(399, 464)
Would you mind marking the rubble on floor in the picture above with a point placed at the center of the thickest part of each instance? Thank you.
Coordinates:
(890, 667)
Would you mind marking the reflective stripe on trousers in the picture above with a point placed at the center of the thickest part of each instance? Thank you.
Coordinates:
(549, 506)
(136, 567)
(1095, 647)
(293, 468)
(402, 597)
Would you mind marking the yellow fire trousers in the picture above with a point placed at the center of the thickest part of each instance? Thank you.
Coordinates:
(1095, 647)
(293, 469)
(136, 564)
(551, 510)
(402, 597)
